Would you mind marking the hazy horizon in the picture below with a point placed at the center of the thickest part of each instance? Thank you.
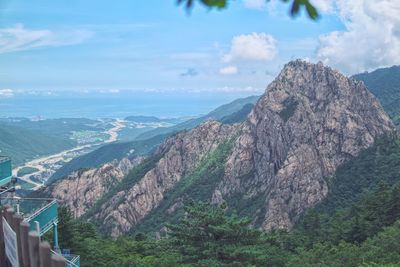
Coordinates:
(114, 105)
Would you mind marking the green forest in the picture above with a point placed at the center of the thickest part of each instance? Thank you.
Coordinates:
(384, 84)
(358, 224)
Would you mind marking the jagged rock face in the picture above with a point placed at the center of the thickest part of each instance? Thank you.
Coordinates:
(81, 189)
(310, 120)
(180, 155)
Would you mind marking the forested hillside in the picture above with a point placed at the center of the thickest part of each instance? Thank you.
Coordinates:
(108, 153)
(385, 85)
(23, 144)
(24, 139)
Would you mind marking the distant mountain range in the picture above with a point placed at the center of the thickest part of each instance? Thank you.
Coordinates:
(217, 114)
(233, 112)
(153, 119)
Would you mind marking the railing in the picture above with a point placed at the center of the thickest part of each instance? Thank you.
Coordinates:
(71, 260)
(38, 215)
(21, 247)
(46, 217)
(41, 210)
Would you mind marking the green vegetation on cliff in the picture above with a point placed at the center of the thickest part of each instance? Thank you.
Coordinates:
(197, 186)
(357, 177)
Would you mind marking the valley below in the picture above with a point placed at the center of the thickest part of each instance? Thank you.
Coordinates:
(46, 166)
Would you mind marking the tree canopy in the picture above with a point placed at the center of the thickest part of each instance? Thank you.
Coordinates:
(296, 6)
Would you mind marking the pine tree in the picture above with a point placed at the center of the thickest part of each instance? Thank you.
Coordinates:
(209, 237)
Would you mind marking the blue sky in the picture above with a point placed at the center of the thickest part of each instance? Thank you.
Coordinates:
(154, 45)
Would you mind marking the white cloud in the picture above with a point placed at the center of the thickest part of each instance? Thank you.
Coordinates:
(371, 38)
(247, 89)
(251, 47)
(230, 70)
(110, 91)
(323, 5)
(6, 93)
(19, 38)
(254, 4)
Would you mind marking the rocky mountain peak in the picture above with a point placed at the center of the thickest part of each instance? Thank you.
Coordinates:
(310, 120)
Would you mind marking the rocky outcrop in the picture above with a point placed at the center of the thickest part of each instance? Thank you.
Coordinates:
(180, 155)
(310, 120)
(81, 189)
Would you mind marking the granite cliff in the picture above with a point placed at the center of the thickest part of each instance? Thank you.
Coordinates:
(310, 120)
(81, 189)
(179, 155)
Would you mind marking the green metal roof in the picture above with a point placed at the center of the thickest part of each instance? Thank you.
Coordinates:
(4, 159)
(5, 170)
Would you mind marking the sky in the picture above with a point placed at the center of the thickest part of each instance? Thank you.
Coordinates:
(156, 46)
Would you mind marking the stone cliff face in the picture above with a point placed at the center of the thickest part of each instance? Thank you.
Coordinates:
(310, 120)
(180, 155)
(81, 189)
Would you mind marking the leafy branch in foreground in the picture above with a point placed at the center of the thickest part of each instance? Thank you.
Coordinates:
(295, 9)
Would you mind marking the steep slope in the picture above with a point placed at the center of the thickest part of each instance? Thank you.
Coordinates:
(177, 157)
(81, 189)
(310, 121)
(385, 85)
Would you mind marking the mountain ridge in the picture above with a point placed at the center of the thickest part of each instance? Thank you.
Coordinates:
(309, 122)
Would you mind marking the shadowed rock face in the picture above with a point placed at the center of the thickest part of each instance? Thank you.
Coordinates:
(310, 120)
(181, 154)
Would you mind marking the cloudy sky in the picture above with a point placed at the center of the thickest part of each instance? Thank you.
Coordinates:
(156, 46)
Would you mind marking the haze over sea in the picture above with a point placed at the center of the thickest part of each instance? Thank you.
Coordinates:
(113, 105)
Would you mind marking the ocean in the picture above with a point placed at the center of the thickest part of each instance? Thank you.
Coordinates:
(118, 105)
